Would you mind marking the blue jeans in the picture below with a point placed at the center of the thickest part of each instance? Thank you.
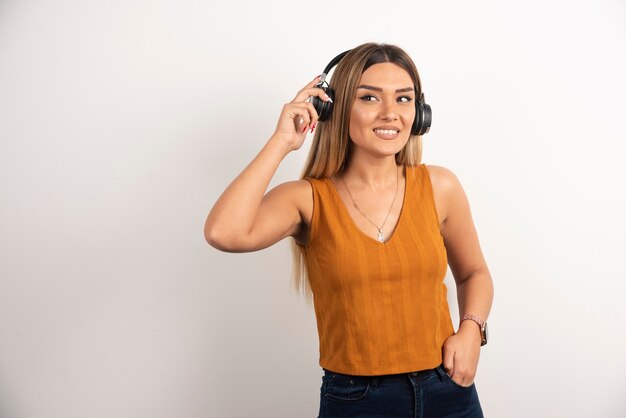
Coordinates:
(423, 394)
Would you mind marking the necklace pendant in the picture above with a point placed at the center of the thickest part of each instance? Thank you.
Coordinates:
(381, 237)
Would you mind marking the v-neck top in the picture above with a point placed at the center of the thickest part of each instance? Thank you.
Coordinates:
(342, 208)
(381, 308)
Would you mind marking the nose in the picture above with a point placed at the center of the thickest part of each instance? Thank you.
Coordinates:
(388, 111)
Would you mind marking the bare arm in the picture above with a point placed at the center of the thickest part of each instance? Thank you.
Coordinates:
(467, 263)
(243, 219)
(461, 351)
(232, 217)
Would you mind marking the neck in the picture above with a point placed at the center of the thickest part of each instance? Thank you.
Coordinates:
(374, 174)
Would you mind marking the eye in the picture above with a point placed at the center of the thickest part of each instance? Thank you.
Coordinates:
(405, 99)
(368, 98)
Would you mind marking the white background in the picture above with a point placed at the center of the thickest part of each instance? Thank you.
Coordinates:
(121, 123)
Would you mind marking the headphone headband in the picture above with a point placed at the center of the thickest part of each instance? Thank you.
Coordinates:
(331, 64)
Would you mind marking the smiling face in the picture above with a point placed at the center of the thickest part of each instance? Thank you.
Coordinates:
(383, 110)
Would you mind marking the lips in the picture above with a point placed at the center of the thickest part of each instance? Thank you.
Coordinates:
(386, 132)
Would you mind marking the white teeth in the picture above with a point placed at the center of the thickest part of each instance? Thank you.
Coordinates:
(386, 131)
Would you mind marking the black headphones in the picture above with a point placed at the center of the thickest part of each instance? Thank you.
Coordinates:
(423, 113)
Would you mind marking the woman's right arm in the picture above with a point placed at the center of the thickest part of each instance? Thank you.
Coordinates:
(243, 219)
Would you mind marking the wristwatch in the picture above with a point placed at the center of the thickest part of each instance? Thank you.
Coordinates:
(482, 324)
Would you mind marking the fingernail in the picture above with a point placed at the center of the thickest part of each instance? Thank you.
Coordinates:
(329, 99)
(304, 130)
(313, 127)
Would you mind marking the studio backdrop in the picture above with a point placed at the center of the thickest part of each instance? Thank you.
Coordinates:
(122, 122)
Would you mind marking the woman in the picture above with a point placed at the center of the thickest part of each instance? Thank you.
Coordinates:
(376, 230)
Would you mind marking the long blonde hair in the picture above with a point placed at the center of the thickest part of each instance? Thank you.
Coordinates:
(330, 149)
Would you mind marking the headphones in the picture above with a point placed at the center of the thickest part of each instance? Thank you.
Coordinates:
(423, 113)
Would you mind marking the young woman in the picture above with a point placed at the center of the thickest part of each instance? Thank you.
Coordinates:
(374, 230)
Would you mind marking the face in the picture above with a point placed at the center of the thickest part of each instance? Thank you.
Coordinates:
(383, 110)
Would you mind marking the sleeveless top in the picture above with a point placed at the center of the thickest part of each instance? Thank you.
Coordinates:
(381, 308)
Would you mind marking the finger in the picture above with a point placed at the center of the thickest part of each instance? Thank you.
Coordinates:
(309, 109)
(309, 85)
(305, 93)
(461, 376)
(301, 118)
(301, 124)
(448, 362)
(313, 82)
(312, 112)
(463, 379)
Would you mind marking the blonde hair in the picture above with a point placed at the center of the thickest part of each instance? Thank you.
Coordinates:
(331, 144)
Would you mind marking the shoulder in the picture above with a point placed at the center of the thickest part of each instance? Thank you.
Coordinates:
(297, 190)
(447, 189)
(442, 178)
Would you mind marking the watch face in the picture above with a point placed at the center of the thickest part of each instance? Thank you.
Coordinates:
(486, 333)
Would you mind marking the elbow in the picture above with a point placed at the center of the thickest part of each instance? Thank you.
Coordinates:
(219, 241)
(210, 238)
(214, 239)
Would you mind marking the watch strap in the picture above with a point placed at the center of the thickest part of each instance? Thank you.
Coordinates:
(481, 324)
(474, 318)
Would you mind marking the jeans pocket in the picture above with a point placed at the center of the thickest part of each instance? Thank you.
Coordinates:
(448, 378)
(346, 387)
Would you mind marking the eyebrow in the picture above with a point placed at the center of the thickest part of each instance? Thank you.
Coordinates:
(365, 86)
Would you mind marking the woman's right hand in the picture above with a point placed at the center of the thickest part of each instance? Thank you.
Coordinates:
(298, 116)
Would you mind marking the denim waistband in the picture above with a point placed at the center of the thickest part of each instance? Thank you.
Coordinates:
(419, 374)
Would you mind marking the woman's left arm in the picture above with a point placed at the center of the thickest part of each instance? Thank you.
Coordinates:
(471, 274)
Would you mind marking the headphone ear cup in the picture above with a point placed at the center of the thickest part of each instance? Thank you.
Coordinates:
(423, 119)
(324, 109)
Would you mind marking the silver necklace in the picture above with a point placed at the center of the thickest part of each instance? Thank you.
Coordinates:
(381, 236)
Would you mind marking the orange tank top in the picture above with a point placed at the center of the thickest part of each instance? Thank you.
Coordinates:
(381, 308)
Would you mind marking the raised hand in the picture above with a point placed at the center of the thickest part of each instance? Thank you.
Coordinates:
(299, 115)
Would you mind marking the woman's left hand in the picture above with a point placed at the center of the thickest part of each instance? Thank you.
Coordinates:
(461, 352)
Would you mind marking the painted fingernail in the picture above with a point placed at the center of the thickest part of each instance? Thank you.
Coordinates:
(304, 130)
(313, 127)
(328, 97)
